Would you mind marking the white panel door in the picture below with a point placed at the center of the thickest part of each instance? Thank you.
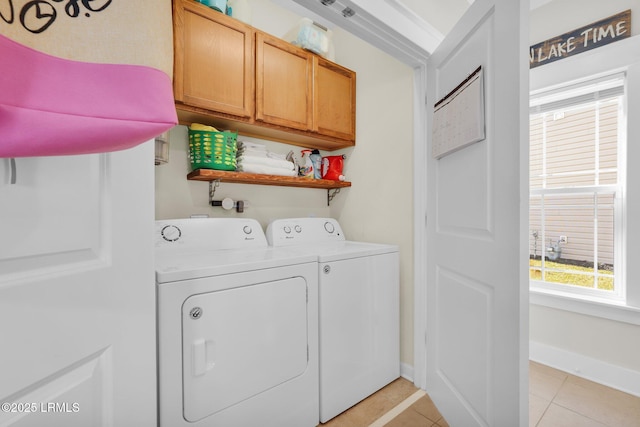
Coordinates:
(77, 305)
(476, 204)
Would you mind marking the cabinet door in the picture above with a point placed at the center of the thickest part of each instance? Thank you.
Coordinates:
(334, 100)
(214, 65)
(284, 76)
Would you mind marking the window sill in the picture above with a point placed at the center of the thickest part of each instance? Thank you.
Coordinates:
(590, 306)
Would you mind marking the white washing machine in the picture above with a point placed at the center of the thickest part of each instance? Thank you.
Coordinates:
(358, 313)
(237, 327)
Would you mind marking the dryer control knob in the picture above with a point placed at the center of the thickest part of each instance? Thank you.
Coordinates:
(298, 229)
(170, 233)
(247, 229)
(329, 227)
(287, 229)
(195, 313)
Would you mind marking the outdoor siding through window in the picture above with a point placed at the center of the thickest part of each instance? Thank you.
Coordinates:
(575, 186)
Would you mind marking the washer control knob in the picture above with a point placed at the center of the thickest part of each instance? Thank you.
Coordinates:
(170, 233)
(329, 227)
(326, 269)
(287, 229)
(298, 229)
(247, 229)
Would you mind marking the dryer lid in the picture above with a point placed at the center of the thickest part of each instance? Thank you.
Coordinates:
(200, 264)
(175, 236)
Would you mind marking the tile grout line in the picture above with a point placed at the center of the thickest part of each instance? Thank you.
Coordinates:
(572, 409)
(398, 409)
(560, 388)
(543, 413)
(552, 399)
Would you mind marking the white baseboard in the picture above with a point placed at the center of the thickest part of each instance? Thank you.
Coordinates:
(613, 376)
(406, 371)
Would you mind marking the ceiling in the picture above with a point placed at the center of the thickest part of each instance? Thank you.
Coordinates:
(406, 29)
(443, 14)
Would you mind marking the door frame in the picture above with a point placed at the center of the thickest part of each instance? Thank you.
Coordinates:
(420, 227)
(386, 18)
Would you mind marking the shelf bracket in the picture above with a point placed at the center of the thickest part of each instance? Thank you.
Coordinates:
(212, 189)
(331, 194)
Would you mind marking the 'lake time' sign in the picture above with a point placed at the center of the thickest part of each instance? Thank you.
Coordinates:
(603, 32)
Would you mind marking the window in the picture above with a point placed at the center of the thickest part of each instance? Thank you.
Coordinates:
(577, 147)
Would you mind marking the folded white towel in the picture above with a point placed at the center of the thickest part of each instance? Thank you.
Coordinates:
(256, 151)
(252, 152)
(266, 161)
(251, 145)
(265, 170)
(276, 156)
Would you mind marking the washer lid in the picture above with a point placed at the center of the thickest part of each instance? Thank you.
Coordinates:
(320, 236)
(193, 265)
(348, 249)
(304, 231)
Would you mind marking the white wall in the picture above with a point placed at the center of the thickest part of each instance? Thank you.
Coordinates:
(555, 332)
(613, 342)
(378, 206)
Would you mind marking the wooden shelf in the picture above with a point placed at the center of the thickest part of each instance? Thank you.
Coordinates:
(252, 178)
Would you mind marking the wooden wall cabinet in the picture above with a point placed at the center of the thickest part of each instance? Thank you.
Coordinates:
(284, 83)
(334, 100)
(214, 62)
(300, 90)
(230, 75)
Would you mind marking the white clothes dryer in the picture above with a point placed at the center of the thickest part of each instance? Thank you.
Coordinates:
(237, 327)
(358, 313)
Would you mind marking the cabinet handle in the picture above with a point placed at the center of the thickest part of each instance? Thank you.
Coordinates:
(13, 170)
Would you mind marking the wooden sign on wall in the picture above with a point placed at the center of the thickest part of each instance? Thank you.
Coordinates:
(601, 33)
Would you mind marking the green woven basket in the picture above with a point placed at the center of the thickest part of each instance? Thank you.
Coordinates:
(212, 150)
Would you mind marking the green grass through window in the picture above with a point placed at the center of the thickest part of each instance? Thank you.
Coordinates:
(568, 274)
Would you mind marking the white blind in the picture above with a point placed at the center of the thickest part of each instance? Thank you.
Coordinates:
(577, 93)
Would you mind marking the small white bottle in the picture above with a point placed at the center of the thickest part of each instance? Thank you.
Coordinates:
(240, 10)
(306, 168)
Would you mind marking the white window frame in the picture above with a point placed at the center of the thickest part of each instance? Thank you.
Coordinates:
(622, 56)
(574, 95)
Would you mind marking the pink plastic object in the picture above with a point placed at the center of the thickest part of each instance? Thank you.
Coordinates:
(51, 106)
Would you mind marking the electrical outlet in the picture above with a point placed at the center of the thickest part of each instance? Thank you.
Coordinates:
(563, 239)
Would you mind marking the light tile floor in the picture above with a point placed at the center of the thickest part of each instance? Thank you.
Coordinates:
(556, 399)
(560, 399)
(375, 406)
